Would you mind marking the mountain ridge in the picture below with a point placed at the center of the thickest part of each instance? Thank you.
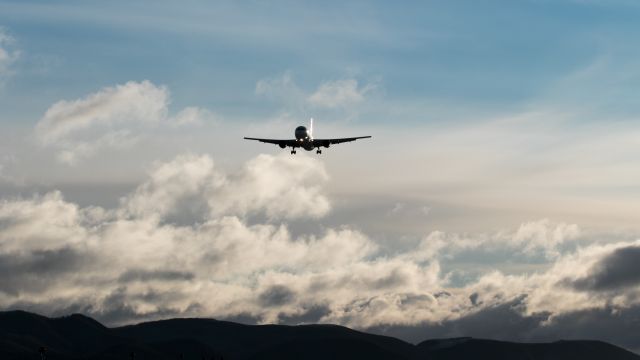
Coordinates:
(78, 336)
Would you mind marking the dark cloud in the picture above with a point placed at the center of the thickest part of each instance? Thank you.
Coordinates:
(50, 309)
(619, 326)
(116, 309)
(148, 275)
(276, 295)
(37, 270)
(41, 261)
(243, 318)
(474, 298)
(616, 271)
(510, 322)
(309, 315)
(504, 321)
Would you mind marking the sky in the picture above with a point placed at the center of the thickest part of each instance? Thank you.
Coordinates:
(498, 197)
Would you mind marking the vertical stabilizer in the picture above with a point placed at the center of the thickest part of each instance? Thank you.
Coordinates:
(311, 128)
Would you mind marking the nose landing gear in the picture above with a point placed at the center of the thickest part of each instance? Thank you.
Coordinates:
(293, 152)
(319, 151)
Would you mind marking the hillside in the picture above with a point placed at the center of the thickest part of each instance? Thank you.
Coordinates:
(80, 337)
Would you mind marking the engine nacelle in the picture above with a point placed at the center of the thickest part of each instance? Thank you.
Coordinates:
(282, 146)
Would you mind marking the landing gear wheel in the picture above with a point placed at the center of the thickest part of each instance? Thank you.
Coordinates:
(293, 152)
(319, 151)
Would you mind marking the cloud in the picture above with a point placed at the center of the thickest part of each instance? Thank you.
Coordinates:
(192, 115)
(8, 53)
(542, 236)
(339, 93)
(34, 270)
(172, 184)
(276, 295)
(508, 321)
(210, 251)
(534, 239)
(281, 88)
(41, 223)
(335, 94)
(150, 275)
(616, 271)
(191, 185)
(196, 240)
(131, 102)
(113, 117)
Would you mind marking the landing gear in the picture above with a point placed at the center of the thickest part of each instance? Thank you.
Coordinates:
(319, 151)
(293, 152)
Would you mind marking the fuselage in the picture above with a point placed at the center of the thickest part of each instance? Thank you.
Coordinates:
(304, 138)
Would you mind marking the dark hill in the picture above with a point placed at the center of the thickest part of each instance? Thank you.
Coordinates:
(80, 337)
(243, 341)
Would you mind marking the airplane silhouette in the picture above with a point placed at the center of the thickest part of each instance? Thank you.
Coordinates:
(304, 139)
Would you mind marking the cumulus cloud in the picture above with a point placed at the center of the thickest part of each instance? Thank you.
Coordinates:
(191, 184)
(136, 251)
(113, 117)
(234, 257)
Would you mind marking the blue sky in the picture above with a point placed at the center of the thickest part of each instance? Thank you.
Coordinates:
(502, 168)
(495, 55)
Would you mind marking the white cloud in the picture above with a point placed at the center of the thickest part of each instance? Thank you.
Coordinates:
(113, 117)
(339, 93)
(281, 186)
(544, 236)
(129, 103)
(187, 177)
(533, 239)
(42, 223)
(146, 259)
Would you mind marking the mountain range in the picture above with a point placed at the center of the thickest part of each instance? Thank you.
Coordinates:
(24, 334)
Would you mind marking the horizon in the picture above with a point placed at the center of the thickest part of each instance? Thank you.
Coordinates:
(498, 195)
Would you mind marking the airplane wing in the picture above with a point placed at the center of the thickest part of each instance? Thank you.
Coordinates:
(326, 142)
(281, 143)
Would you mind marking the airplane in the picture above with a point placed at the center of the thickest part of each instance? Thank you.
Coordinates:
(304, 139)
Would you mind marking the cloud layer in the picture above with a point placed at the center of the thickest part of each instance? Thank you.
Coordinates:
(194, 240)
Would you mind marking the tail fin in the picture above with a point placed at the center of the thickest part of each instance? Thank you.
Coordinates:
(311, 128)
